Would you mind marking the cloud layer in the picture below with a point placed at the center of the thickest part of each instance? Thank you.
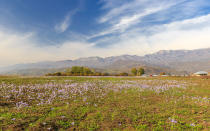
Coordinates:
(187, 34)
(137, 27)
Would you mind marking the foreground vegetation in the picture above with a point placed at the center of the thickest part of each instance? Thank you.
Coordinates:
(104, 103)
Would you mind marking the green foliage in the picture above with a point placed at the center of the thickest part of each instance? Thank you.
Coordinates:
(123, 74)
(83, 71)
(140, 71)
(162, 73)
(141, 127)
(75, 71)
(134, 71)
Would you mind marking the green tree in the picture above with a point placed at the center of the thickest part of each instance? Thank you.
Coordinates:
(58, 74)
(162, 73)
(140, 71)
(105, 74)
(79, 70)
(75, 70)
(87, 70)
(68, 70)
(134, 71)
(123, 74)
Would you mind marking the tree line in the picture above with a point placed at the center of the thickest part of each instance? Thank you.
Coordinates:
(85, 71)
(78, 71)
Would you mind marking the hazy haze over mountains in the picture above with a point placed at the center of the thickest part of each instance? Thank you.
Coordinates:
(173, 61)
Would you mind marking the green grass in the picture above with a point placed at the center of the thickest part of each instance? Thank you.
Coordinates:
(104, 103)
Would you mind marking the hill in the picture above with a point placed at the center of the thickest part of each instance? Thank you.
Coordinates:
(171, 61)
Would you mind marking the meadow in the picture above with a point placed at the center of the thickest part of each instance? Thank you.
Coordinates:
(104, 103)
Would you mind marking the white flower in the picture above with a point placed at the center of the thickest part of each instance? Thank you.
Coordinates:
(62, 116)
(192, 124)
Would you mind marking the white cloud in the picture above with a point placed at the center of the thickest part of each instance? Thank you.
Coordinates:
(17, 48)
(188, 34)
(23, 48)
(128, 9)
(125, 15)
(64, 25)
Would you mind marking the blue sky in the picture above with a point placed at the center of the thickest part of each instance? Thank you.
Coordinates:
(40, 30)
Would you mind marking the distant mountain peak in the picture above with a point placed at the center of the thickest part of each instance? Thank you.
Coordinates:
(162, 52)
(181, 60)
(93, 58)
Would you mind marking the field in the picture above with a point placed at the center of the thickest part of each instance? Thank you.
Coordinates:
(104, 103)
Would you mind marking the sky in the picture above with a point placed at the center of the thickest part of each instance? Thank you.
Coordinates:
(51, 30)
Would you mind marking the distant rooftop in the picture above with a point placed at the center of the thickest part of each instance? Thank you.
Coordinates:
(201, 72)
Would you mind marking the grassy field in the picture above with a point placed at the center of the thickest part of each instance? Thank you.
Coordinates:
(104, 103)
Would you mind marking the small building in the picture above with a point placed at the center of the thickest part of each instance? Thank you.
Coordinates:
(144, 75)
(164, 75)
(154, 75)
(200, 73)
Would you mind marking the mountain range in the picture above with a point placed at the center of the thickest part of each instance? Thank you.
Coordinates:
(170, 61)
